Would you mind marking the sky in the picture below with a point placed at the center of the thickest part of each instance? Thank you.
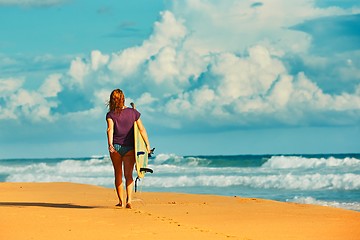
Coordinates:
(209, 77)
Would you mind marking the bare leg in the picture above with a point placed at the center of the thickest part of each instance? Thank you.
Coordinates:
(129, 161)
(117, 164)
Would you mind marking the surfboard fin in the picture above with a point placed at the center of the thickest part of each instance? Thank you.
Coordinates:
(151, 152)
(143, 153)
(140, 153)
(146, 170)
(142, 170)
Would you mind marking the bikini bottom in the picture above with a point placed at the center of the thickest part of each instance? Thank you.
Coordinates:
(122, 150)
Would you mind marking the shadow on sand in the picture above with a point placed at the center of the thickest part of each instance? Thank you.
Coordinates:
(40, 204)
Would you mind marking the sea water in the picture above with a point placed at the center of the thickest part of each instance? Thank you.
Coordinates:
(324, 179)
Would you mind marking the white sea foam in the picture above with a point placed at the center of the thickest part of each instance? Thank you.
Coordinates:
(186, 169)
(172, 159)
(290, 162)
(310, 200)
(288, 181)
(42, 177)
(99, 171)
(162, 157)
(277, 178)
(91, 171)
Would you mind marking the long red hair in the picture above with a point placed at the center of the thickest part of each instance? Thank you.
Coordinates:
(116, 101)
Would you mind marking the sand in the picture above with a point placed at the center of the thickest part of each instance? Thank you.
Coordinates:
(76, 211)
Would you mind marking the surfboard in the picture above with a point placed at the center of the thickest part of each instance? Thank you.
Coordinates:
(141, 154)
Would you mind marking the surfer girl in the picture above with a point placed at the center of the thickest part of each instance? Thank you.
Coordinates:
(120, 135)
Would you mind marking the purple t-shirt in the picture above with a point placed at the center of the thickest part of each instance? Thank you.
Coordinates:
(124, 126)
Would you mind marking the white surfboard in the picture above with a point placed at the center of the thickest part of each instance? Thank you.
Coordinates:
(141, 154)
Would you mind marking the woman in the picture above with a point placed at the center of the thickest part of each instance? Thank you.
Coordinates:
(120, 135)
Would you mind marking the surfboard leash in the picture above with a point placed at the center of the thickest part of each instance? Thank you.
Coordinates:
(146, 170)
(137, 178)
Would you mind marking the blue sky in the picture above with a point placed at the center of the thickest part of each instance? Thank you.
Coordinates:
(209, 77)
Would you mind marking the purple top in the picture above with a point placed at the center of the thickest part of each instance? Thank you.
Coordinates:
(124, 126)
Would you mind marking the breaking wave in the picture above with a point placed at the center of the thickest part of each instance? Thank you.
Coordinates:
(274, 177)
(310, 200)
(291, 162)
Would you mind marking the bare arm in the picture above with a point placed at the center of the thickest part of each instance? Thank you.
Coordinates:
(110, 134)
(143, 133)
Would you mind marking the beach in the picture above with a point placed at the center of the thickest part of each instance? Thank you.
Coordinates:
(321, 179)
(81, 211)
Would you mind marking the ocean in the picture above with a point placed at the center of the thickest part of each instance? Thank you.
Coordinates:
(323, 179)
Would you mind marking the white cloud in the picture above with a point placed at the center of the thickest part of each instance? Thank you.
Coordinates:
(181, 104)
(9, 85)
(79, 117)
(164, 66)
(32, 3)
(102, 96)
(281, 92)
(350, 70)
(98, 60)
(246, 76)
(218, 63)
(127, 62)
(18, 103)
(145, 99)
(204, 97)
(31, 105)
(239, 25)
(78, 70)
(51, 86)
(167, 33)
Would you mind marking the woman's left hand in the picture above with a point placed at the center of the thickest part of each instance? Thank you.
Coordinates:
(111, 149)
